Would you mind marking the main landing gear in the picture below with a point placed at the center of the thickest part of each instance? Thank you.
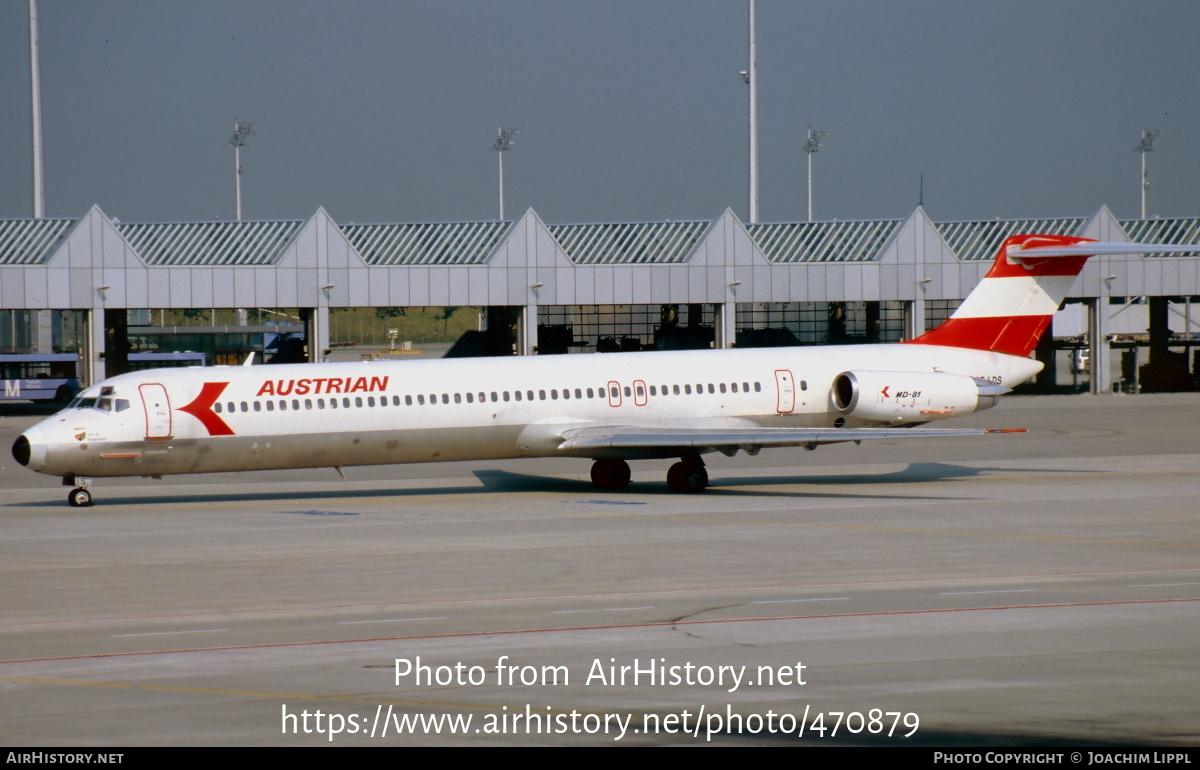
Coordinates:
(610, 474)
(80, 496)
(687, 476)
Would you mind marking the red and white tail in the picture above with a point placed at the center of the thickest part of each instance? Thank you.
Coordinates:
(1014, 303)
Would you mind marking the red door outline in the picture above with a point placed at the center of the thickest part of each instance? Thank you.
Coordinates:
(614, 387)
(785, 389)
(158, 411)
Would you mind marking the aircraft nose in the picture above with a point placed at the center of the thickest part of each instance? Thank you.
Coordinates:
(31, 454)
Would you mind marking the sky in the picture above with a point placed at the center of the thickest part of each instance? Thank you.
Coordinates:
(628, 110)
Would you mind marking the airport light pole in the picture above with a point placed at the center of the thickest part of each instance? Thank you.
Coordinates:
(1144, 146)
(811, 145)
(241, 130)
(504, 142)
(35, 88)
(750, 78)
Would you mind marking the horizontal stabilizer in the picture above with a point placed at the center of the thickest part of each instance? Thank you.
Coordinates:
(1093, 248)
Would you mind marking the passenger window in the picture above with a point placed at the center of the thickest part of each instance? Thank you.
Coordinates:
(641, 391)
(445, 398)
(470, 398)
(370, 401)
(734, 386)
(257, 406)
(675, 389)
(245, 407)
(494, 399)
(578, 393)
(506, 395)
(358, 401)
(628, 392)
(482, 397)
(232, 407)
(653, 390)
(757, 387)
(217, 407)
(407, 400)
(687, 389)
(803, 384)
(590, 394)
(308, 403)
(346, 403)
(458, 398)
(421, 399)
(517, 394)
(566, 392)
(296, 403)
(270, 406)
(554, 394)
(529, 394)
(745, 387)
(711, 389)
(320, 403)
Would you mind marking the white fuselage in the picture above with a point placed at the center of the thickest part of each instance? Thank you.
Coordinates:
(210, 419)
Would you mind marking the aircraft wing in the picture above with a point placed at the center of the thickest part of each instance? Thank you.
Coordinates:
(750, 439)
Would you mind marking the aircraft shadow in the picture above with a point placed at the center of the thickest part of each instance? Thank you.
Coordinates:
(502, 481)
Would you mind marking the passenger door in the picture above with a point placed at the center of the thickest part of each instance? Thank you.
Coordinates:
(158, 411)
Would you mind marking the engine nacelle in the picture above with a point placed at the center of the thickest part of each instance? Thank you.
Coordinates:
(907, 397)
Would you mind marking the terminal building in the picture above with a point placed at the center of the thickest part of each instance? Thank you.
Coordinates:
(581, 288)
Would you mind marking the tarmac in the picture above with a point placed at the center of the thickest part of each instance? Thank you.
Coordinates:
(1003, 590)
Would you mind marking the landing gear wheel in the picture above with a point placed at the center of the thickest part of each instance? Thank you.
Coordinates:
(80, 498)
(610, 474)
(687, 477)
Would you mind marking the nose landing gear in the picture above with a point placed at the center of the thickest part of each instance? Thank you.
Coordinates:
(80, 496)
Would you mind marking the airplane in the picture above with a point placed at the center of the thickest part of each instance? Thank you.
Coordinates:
(606, 408)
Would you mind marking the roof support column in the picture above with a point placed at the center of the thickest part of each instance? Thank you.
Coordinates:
(316, 333)
(93, 351)
(726, 325)
(528, 334)
(43, 331)
(1101, 354)
(914, 318)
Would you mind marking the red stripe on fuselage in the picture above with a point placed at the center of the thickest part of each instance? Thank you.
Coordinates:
(201, 409)
(1016, 336)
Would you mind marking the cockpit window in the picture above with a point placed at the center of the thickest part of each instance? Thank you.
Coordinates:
(105, 404)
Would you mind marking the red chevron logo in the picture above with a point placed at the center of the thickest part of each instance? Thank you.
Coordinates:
(201, 409)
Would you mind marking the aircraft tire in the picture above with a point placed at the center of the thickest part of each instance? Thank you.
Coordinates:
(610, 474)
(687, 478)
(80, 498)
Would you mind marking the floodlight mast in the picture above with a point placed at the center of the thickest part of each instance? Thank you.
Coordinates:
(35, 88)
(241, 130)
(1144, 146)
(811, 145)
(504, 142)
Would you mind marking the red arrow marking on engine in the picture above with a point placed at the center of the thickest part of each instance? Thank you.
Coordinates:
(885, 391)
(201, 409)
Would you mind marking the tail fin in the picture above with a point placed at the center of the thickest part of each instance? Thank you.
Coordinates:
(1012, 306)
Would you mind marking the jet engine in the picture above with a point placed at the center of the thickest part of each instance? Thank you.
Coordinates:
(911, 397)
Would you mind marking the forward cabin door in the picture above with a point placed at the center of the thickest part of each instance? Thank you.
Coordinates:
(158, 411)
(785, 389)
